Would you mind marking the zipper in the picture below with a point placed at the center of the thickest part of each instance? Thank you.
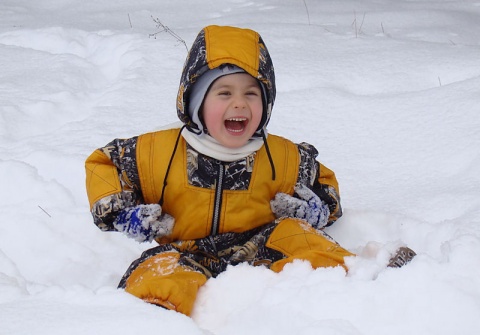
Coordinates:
(218, 199)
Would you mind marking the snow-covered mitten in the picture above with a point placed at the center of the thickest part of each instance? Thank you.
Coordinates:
(306, 206)
(144, 222)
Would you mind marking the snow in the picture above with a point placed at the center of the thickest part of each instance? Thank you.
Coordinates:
(387, 90)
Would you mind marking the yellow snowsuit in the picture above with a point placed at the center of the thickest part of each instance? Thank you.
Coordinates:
(222, 219)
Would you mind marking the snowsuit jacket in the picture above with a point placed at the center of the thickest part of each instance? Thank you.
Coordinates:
(206, 197)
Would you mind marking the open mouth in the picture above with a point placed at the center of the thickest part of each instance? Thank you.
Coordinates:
(236, 125)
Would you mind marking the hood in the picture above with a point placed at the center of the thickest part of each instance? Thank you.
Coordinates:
(219, 45)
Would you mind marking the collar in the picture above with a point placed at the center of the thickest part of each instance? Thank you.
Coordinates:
(207, 145)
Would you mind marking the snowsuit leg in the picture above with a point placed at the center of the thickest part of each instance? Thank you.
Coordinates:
(286, 240)
(170, 275)
(296, 239)
(162, 280)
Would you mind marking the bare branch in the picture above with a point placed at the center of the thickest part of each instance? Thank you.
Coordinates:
(168, 30)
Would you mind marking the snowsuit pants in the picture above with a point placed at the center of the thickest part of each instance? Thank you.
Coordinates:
(170, 275)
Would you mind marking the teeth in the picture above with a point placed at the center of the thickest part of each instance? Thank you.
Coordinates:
(235, 127)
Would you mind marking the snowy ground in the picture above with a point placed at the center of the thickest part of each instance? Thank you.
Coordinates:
(388, 91)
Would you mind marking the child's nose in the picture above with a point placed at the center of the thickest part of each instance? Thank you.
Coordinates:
(239, 103)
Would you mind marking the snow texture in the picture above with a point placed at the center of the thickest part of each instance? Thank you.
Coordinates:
(387, 90)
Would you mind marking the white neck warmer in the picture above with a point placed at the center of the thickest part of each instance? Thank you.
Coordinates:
(207, 145)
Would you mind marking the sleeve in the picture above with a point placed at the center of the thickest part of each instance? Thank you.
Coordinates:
(112, 181)
(320, 179)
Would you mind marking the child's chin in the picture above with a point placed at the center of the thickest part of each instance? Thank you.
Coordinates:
(235, 143)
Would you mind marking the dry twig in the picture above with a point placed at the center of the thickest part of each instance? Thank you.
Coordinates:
(44, 210)
(168, 30)
(308, 14)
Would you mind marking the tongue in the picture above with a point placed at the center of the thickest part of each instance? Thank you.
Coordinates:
(234, 125)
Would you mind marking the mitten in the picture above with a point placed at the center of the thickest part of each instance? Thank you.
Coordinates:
(306, 206)
(144, 222)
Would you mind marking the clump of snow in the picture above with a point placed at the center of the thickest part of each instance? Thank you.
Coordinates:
(386, 90)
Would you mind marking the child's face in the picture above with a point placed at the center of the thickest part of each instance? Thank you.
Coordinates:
(232, 109)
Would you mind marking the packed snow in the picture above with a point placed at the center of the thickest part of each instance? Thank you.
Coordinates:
(387, 90)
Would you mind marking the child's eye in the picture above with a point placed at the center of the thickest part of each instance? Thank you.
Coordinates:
(254, 93)
(224, 93)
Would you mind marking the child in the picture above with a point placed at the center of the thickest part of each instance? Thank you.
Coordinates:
(217, 191)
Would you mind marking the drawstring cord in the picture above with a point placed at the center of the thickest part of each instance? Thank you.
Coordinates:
(160, 202)
(268, 154)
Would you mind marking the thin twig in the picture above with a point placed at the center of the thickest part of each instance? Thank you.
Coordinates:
(168, 30)
(354, 23)
(308, 14)
(44, 211)
(130, 20)
(361, 25)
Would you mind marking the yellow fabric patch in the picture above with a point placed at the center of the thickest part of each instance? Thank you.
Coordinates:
(296, 239)
(233, 46)
(102, 177)
(160, 280)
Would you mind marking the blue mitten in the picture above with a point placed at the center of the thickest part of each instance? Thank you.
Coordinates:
(307, 206)
(144, 222)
